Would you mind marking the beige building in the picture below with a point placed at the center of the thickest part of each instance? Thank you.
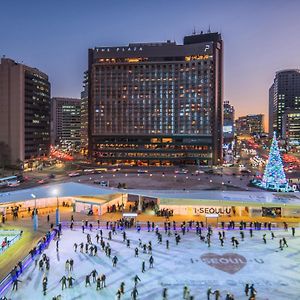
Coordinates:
(24, 112)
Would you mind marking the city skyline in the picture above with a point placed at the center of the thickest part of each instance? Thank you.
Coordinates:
(62, 37)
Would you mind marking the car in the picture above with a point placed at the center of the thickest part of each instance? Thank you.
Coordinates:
(245, 171)
(116, 169)
(142, 171)
(42, 181)
(13, 183)
(182, 171)
(197, 172)
(74, 174)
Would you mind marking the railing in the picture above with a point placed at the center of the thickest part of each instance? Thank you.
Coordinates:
(11, 242)
(8, 280)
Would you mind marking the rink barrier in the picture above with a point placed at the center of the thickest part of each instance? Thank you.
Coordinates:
(7, 281)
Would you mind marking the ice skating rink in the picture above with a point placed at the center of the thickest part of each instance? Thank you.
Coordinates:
(275, 273)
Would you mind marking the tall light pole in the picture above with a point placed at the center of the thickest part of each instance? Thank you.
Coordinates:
(57, 217)
(35, 217)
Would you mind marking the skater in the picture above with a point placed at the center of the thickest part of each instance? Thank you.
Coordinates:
(264, 239)
(217, 294)
(208, 293)
(293, 231)
(128, 243)
(272, 235)
(134, 293)
(87, 280)
(280, 244)
(167, 244)
(118, 294)
(57, 245)
(67, 265)
(45, 281)
(94, 274)
(284, 242)
(247, 289)
(151, 261)
(70, 281)
(71, 262)
(103, 278)
(98, 283)
(251, 232)
(186, 293)
(122, 288)
(136, 252)
(136, 279)
(252, 292)
(15, 284)
(143, 267)
(75, 247)
(165, 294)
(115, 260)
(63, 282)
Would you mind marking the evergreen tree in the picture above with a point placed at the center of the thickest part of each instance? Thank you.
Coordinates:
(274, 176)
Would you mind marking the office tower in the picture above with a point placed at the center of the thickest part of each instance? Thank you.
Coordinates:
(250, 124)
(65, 122)
(25, 111)
(228, 127)
(84, 114)
(157, 103)
(291, 127)
(284, 95)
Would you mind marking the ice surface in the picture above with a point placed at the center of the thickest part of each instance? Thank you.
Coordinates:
(275, 273)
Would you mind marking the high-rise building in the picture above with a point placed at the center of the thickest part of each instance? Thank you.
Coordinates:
(84, 114)
(284, 94)
(157, 103)
(228, 123)
(65, 122)
(291, 127)
(250, 124)
(25, 111)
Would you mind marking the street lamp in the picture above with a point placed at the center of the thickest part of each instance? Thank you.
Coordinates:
(57, 217)
(35, 217)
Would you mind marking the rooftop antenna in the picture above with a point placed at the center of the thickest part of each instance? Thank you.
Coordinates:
(194, 31)
(208, 31)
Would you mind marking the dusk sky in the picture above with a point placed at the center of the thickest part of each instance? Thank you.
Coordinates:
(260, 36)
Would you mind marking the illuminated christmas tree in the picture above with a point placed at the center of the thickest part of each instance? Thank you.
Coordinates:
(274, 176)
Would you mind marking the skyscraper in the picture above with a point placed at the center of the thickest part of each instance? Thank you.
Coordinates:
(250, 124)
(228, 128)
(65, 122)
(157, 103)
(25, 111)
(284, 95)
(84, 114)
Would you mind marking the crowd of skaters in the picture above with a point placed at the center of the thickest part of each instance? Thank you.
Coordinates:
(169, 228)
